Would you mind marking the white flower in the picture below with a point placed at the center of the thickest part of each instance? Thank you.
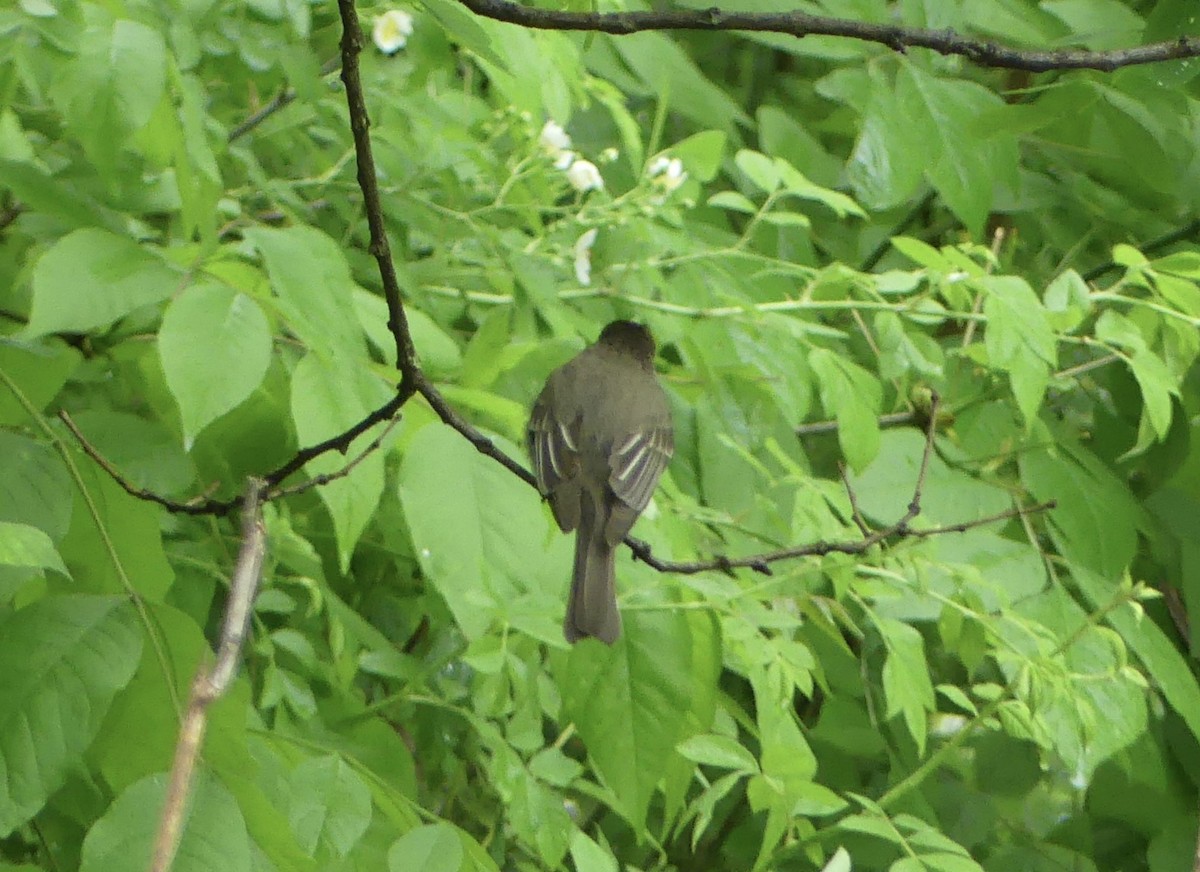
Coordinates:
(609, 155)
(564, 160)
(392, 30)
(584, 177)
(554, 140)
(667, 174)
(583, 256)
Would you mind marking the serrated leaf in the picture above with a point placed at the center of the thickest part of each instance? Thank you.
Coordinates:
(309, 273)
(214, 832)
(964, 168)
(481, 536)
(64, 659)
(906, 684)
(1095, 522)
(1019, 339)
(853, 396)
(1157, 386)
(701, 153)
(796, 183)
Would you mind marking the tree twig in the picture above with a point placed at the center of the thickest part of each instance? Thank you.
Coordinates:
(894, 36)
(898, 530)
(285, 96)
(211, 683)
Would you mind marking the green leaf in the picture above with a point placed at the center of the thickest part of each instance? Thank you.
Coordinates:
(1068, 300)
(853, 396)
(1157, 386)
(64, 659)
(964, 168)
(720, 751)
(28, 547)
(118, 546)
(796, 183)
(330, 807)
(701, 153)
(629, 702)
(663, 65)
(215, 346)
(472, 32)
(906, 684)
(885, 488)
(759, 169)
(733, 201)
(90, 278)
(1157, 652)
(481, 536)
(889, 157)
(1019, 339)
(923, 254)
(35, 487)
(39, 369)
(327, 401)
(430, 848)
(309, 273)
(590, 857)
(214, 831)
(1095, 523)
(113, 86)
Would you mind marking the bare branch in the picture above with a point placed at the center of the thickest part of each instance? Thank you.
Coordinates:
(210, 684)
(898, 530)
(799, 24)
(283, 98)
(200, 506)
(351, 46)
(326, 478)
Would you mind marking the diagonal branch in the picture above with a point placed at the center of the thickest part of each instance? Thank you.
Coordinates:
(799, 24)
(898, 530)
(211, 683)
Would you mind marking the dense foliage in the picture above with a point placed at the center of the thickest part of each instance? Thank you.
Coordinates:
(816, 230)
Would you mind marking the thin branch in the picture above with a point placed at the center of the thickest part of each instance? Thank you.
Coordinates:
(897, 530)
(341, 442)
(482, 444)
(203, 505)
(210, 684)
(854, 510)
(891, 419)
(351, 46)
(326, 477)
(283, 98)
(896, 37)
(906, 222)
(1187, 231)
(196, 507)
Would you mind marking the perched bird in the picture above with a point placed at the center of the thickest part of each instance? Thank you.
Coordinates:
(600, 436)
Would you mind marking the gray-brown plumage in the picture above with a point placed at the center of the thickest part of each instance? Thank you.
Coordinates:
(600, 437)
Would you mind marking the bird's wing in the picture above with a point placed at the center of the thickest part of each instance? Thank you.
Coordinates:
(553, 448)
(637, 462)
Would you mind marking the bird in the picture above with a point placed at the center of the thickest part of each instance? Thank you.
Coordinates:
(600, 436)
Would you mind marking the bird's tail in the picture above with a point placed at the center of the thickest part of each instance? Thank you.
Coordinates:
(592, 607)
